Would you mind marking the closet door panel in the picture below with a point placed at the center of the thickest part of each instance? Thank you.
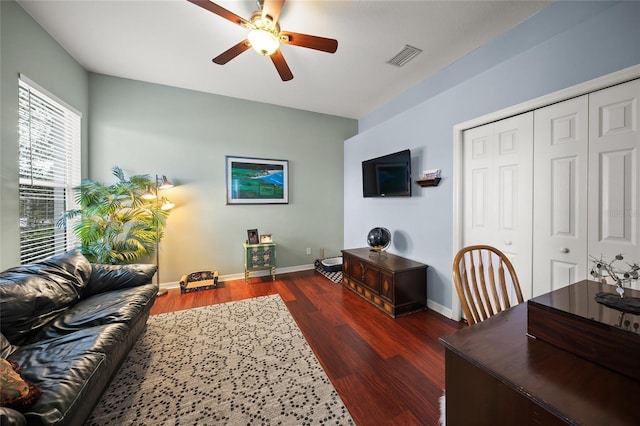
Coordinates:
(614, 179)
(560, 195)
(479, 211)
(514, 165)
(564, 200)
(479, 206)
(564, 272)
(616, 172)
(497, 200)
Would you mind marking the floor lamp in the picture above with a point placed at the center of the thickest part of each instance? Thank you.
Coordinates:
(163, 203)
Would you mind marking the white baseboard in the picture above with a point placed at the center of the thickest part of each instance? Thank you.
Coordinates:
(442, 310)
(170, 285)
(240, 276)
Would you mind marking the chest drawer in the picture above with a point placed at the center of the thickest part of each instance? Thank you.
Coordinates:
(356, 269)
(386, 285)
(371, 278)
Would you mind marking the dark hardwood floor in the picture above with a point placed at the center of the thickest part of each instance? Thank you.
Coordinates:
(387, 371)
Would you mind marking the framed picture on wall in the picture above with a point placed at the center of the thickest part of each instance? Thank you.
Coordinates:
(257, 180)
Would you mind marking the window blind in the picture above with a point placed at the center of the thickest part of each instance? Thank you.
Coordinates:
(49, 169)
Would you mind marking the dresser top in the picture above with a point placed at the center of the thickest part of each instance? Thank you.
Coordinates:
(258, 245)
(384, 260)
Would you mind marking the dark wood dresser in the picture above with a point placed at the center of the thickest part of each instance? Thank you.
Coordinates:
(393, 283)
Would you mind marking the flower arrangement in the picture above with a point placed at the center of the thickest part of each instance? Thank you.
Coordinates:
(602, 269)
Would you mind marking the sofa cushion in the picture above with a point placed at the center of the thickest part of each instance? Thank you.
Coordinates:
(32, 295)
(15, 392)
(72, 371)
(6, 348)
(11, 417)
(114, 307)
(115, 277)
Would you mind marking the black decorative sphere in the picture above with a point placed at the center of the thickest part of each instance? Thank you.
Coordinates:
(379, 239)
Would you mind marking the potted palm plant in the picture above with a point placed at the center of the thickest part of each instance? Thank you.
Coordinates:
(117, 224)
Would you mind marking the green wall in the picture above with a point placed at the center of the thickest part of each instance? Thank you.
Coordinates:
(154, 129)
(26, 48)
(185, 135)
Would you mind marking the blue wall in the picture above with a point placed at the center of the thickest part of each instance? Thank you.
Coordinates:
(565, 44)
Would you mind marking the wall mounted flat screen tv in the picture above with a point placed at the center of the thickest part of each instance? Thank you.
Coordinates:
(387, 176)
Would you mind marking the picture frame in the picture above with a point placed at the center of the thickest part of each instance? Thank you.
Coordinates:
(265, 238)
(252, 236)
(256, 180)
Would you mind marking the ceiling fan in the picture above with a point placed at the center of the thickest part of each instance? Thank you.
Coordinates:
(265, 35)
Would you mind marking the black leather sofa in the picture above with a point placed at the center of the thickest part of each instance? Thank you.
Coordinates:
(69, 325)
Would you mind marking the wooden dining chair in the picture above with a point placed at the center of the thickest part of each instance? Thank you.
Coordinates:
(485, 281)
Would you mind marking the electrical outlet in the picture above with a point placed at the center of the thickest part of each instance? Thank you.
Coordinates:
(308, 251)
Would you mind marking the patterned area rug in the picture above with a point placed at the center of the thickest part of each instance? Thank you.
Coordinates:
(243, 362)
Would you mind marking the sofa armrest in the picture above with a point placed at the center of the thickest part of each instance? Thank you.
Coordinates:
(11, 417)
(115, 277)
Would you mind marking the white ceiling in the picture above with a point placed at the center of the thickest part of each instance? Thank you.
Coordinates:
(172, 42)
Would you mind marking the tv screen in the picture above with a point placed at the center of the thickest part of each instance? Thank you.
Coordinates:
(387, 176)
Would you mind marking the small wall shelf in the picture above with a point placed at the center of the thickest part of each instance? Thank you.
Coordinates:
(428, 182)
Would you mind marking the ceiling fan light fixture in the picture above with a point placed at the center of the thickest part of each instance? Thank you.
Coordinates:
(264, 35)
(263, 42)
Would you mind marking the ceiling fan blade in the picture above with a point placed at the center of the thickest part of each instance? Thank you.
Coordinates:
(309, 41)
(272, 8)
(281, 66)
(220, 11)
(228, 55)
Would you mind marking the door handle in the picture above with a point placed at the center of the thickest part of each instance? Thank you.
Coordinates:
(564, 250)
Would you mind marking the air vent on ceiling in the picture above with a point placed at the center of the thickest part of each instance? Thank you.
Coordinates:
(405, 55)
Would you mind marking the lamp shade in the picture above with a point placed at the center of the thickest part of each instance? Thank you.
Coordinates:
(148, 194)
(166, 204)
(263, 42)
(164, 184)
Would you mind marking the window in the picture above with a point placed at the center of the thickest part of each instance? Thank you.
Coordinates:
(49, 169)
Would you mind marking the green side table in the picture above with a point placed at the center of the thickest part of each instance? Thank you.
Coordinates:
(259, 257)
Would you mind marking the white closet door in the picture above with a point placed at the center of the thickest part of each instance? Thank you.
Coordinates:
(498, 168)
(614, 179)
(561, 145)
(479, 196)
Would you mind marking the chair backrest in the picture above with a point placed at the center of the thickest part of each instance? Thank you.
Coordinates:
(485, 281)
